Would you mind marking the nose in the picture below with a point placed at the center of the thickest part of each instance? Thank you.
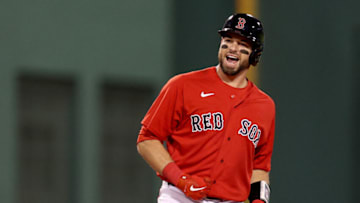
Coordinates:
(233, 47)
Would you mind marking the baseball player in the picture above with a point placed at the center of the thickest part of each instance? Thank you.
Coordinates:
(218, 126)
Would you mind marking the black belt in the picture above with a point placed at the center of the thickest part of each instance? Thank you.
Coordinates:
(214, 198)
(211, 198)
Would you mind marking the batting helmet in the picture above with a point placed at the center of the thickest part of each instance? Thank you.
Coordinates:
(247, 26)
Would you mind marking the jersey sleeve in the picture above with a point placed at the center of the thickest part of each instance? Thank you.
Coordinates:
(263, 151)
(166, 111)
(145, 134)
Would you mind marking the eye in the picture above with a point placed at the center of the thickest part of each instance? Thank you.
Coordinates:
(243, 44)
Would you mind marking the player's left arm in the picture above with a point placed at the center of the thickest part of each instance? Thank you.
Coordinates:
(260, 175)
(260, 179)
(260, 189)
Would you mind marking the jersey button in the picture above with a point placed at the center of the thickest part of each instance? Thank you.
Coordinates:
(232, 96)
(229, 138)
(222, 161)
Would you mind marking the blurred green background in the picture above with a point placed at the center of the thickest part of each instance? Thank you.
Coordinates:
(76, 78)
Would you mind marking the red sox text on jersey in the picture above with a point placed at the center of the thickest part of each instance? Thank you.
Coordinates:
(215, 121)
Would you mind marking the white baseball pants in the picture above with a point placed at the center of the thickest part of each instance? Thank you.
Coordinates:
(171, 194)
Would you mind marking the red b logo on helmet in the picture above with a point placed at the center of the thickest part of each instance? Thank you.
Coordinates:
(241, 23)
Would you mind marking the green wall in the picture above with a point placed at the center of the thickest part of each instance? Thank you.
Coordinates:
(355, 81)
(309, 66)
(90, 43)
(107, 37)
(196, 40)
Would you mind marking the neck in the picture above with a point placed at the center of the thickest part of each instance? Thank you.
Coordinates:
(238, 81)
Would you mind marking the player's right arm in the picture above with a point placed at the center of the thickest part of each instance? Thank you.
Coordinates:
(155, 154)
(163, 116)
(158, 123)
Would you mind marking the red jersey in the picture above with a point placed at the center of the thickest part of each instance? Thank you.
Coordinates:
(213, 129)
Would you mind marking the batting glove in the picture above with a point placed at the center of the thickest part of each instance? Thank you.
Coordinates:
(194, 187)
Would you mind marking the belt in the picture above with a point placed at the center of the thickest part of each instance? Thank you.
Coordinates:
(214, 198)
(210, 198)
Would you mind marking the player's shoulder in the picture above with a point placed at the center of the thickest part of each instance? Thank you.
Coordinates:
(262, 96)
(193, 76)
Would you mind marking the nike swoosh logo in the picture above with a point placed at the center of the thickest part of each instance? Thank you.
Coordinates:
(194, 189)
(203, 94)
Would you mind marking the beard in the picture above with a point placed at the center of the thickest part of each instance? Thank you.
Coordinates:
(230, 71)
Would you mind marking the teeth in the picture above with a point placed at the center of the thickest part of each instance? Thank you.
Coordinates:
(232, 57)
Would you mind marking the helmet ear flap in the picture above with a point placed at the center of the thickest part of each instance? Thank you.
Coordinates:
(254, 57)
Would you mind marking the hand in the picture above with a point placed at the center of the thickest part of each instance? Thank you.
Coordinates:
(257, 201)
(194, 187)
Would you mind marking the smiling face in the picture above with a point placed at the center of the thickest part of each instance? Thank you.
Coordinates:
(234, 54)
